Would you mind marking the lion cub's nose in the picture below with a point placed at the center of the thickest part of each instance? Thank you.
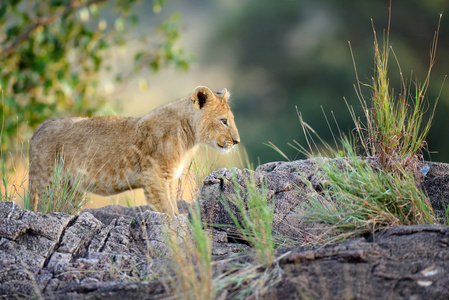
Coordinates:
(236, 141)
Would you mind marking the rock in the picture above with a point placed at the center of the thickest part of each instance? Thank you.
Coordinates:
(289, 185)
(58, 255)
(436, 185)
(153, 228)
(285, 186)
(29, 238)
(119, 252)
(405, 262)
(79, 235)
(223, 249)
(111, 212)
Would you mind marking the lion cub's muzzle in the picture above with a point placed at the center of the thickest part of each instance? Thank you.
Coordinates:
(230, 144)
(227, 146)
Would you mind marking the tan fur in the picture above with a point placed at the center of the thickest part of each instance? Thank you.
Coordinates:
(115, 154)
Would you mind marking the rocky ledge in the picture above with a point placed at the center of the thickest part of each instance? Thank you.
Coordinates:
(115, 252)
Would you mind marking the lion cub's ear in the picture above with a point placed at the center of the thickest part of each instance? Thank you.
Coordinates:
(200, 96)
(224, 94)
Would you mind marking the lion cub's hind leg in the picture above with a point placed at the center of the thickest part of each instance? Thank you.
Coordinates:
(39, 178)
(33, 192)
(53, 188)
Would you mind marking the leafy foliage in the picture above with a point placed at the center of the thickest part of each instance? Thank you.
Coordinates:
(52, 53)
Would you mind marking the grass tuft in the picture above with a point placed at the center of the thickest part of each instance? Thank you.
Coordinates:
(360, 195)
(191, 261)
(395, 128)
(62, 195)
(358, 198)
(255, 220)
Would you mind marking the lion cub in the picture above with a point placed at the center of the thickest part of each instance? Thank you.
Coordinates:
(115, 154)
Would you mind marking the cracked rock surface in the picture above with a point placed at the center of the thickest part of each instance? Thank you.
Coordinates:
(118, 252)
(287, 189)
(57, 255)
(405, 262)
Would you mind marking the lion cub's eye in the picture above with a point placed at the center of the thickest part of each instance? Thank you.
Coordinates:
(224, 122)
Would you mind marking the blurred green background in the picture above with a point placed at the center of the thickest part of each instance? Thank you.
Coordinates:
(295, 53)
(273, 56)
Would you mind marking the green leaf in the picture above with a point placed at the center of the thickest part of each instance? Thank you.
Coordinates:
(2, 10)
(134, 20)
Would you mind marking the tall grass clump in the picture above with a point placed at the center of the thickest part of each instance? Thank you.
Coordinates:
(62, 195)
(361, 195)
(358, 198)
(395, 128)
(191, 261)
(254, 218)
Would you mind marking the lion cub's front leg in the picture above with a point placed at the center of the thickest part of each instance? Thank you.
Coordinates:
(158, 192)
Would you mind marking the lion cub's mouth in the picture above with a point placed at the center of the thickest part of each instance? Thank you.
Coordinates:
(224, 148)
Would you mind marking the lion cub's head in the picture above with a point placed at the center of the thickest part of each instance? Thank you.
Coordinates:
(216, 121)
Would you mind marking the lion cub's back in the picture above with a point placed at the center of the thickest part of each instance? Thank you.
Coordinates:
(77, 136)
